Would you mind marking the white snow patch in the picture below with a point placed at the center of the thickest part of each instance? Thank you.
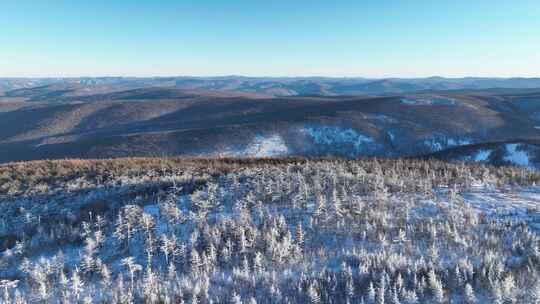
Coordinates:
(391, 135)
(433, 145)
(267, 147)
(440, 143)
(458, 142)
(381, 118)
(409, 101)
(325, 135)
(260, 146)
(515, 156)
(428, 100)
(482, 155)
(523, 204)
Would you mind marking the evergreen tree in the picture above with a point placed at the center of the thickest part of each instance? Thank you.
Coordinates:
(470, 298)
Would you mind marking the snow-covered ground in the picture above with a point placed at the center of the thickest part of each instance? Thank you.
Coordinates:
(521, 204)
(428, 100)
(269, 146)
(517, 156)
(482, 155)
(439, 143)
(261, 146)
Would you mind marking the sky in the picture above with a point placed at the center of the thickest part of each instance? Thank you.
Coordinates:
(341, 38)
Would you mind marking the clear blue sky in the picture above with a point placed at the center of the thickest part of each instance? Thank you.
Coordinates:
(270, 38)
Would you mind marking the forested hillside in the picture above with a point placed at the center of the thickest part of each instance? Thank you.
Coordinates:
(132, 118)
(268, 231)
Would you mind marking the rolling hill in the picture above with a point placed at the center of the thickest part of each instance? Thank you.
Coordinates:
(115, 117)
(271, 86)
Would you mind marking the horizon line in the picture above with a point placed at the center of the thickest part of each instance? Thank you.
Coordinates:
(269, 76)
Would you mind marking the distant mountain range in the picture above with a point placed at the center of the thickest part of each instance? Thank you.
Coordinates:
(478, 119)
(269, 86)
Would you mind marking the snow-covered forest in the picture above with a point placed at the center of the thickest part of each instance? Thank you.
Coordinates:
(268, 231)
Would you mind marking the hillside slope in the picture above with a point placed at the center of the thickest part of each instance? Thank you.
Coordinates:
(168, 121)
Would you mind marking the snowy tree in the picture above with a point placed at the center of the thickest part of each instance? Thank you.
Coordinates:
(6, 285)
(127, 223)
(235, 299)
(168, 246)
(470, 298)
(132, 267)
(371, 293)
(313, 294)
(410, 297)
(77, 284)
(150, 286)
(258, 261)
(321, 210)
(508, 287)
(299, 234)
(195, 261)
(381, 290)
(436, 287)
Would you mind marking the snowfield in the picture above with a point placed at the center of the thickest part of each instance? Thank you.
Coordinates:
(260, 146)
(267, 147)
(522, 205)
(268, 231)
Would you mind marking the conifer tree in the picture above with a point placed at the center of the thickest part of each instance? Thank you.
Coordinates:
(470, 297)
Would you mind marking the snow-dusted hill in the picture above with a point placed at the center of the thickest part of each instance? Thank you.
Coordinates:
(68, 121)
(268, 231)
